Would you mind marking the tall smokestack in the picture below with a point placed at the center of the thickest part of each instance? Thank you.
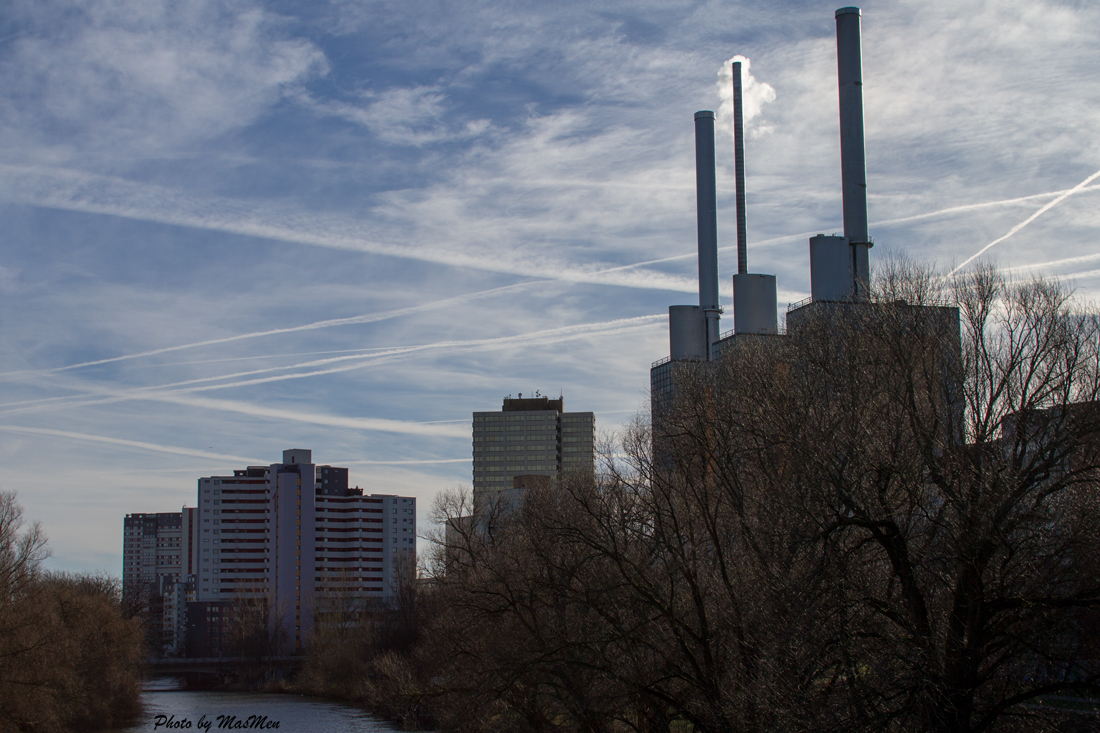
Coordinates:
(853, 165)
(739, 167)
(706, 198)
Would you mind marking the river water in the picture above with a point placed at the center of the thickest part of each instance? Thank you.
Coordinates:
(176, 711)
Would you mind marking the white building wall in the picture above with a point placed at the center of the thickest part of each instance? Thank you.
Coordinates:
(362, 541)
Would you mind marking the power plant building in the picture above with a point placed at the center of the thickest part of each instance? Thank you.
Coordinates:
(839, 264)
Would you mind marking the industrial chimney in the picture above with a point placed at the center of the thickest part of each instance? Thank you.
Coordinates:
(707, 205)
(839, 267)
(693, 330)
(853, 165)
(754, 295)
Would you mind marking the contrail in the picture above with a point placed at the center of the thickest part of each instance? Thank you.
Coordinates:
(330, 323)
(882, 222)
(403, 463)
(115, 395)
(1053, 263)
(155, 447)
(1066, 194)
(543, 337)
(374, 358)
(70, 190)
(259, 357)
(1082, 275)
(186, 396)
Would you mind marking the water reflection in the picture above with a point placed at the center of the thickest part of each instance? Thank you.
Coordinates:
(223, 711)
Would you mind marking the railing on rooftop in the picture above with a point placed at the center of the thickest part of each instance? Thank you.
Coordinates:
(659, 362)
(922, 303)
(799, 304)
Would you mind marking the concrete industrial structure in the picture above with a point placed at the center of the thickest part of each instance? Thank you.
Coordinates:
(694, 334)
(529, 438)
(839, 265)
(289, 535)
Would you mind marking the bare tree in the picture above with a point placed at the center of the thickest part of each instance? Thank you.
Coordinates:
(69, 658)
(884, 521)
(254, 630)
(958, 486)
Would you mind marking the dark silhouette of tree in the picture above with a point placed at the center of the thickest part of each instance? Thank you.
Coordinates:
(886, 520)
(70, 659)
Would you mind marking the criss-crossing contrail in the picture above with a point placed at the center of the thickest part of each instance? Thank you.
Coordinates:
(188, 395)
(141, 445)
(1047, 207)
(329, 323)
(881, 222)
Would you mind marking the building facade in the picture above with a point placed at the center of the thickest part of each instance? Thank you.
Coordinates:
(295, 535)
(529, 437)
(292, 536)
(156, 561)
(154, 549)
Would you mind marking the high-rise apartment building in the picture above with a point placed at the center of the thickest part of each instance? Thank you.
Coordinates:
(529, 437)
(292, 535)
(154, 549)
(156, 562)
(295, 534)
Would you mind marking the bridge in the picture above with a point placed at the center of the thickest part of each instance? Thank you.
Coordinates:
(159, 666)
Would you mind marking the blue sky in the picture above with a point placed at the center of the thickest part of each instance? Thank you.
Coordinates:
(232, 227)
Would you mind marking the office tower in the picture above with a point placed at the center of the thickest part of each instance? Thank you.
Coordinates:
(526, 438)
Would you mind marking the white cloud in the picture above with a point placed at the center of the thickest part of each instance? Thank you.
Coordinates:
(754, 95)
(403, 116)
(144, 77)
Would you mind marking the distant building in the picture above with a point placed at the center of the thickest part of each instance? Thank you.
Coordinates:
(294, 533)
(155, 557)
(529, 437)
(289, 535)
(154, 549)
(174, 599)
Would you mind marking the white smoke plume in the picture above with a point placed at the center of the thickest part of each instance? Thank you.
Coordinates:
(754, 95)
